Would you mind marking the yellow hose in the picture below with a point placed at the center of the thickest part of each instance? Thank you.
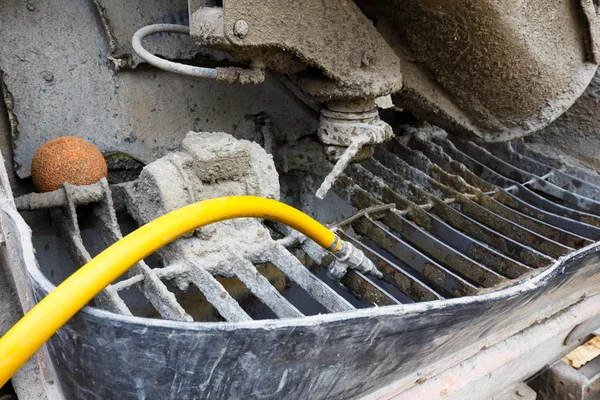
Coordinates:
(43, 320)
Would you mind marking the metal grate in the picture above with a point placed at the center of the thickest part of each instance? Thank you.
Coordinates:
(467, 218)
(439, 218)
(150, 281)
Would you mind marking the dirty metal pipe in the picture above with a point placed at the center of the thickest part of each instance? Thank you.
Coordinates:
(41, 322)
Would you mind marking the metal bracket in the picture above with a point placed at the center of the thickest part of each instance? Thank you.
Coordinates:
(334, 37)
(357, 131)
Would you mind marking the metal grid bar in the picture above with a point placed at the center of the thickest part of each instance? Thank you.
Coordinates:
(484, 156)
(367, 289)
(62, 205)
(552, 232)
(582, 216)
(512, 248)
(65, 219)
(557, 177)
(441, 278)
(467, 245)
(216, 294)
(459, 183)
(587, 176)
(533, 181)
(483, 171)
(168, 273)
(470, 208)
(519, 190)
(461, 222)
(512, 230)
(151, 287)
(578, 229)
(489, 202)
(503, 151)
(478, 251)
(297, 272)
(436, 154)
(455, 260)
(431, 217)
(263, 290)
(401, 279)
(501, 263)
(437, 249)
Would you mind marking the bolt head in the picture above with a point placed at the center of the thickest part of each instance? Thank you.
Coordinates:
(48, 76)
(240, 28)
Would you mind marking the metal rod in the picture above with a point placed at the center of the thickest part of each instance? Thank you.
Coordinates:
(468, 206)
(401, 279)
(362, 213)
(298, 273)
(263, 290)
(484, 156)
(460, 183)
(556, 176)
(152, 287)
(65, 220)
(571, 225)
(504, 263)
(513, 230)
(520, 191)
(367, 289)
(79, 195)
(459, 263)
(216, 294)
(434, 273)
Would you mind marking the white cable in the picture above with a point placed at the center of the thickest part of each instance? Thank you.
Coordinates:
(161, 63)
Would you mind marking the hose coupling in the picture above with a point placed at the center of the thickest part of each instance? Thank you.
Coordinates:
(348, 256)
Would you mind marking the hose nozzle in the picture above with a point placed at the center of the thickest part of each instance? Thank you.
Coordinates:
(348, 256)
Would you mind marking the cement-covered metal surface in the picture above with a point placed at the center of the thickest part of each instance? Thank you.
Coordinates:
(386, 343)
(497, 371)
(55, 89)
(574, 136)
(120, 20)
(60, 82)
(562, 381)
(494, 70)
(333, 356)
(440, 329)
(35, 379)
(334, 38)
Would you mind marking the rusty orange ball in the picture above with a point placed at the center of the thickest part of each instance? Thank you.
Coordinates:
(67, 159)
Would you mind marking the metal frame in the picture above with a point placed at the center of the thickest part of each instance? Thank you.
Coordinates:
(463, 255)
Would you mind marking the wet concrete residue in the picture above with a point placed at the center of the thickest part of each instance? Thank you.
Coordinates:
(468, 66)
